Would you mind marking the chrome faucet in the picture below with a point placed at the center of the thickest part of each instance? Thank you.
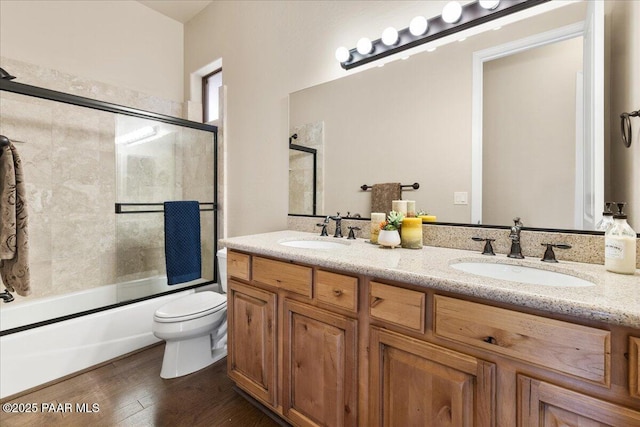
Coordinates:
(338, 220)
(514, 235)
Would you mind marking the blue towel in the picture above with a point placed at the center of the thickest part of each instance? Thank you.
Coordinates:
(182, 241)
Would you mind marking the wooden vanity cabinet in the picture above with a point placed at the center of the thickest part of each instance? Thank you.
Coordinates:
(415, 383)
(634, 367)
(319, 366)
(292, 341)
(251, 342)
(325, 348)
(547, 405)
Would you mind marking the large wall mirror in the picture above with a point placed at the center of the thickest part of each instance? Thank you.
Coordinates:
(498, 119)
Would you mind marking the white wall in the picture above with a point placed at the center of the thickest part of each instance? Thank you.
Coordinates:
(270, 49)
(122, 43)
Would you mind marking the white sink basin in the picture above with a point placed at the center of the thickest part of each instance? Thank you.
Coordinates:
(521, 274)
(314, 244)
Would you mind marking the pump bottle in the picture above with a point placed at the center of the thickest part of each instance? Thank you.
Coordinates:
(620, 245)
(607, 218)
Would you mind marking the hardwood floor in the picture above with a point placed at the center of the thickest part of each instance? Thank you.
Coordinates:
(130, 392)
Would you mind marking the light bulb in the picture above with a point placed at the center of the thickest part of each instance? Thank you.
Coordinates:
(418, 26)
(451, 12)
(489, 4)
(364, 46)
(343, 54)
(390, 36)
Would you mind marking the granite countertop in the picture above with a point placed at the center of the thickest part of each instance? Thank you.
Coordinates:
(615, 298)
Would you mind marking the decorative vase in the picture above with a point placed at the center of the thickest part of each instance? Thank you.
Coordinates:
(389, 238)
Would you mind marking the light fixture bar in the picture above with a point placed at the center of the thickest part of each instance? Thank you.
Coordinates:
(472, 15)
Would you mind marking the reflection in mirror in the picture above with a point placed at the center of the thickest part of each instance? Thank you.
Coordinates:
(306, 156)
(411, 121)
(513, 149)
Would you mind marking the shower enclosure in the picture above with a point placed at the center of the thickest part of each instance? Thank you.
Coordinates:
(97, 175)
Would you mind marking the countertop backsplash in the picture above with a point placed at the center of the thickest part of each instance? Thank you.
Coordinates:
(587, 248)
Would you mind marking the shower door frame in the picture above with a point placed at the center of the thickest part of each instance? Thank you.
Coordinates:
(81, 101)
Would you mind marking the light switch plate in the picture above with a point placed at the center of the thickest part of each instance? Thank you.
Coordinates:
(460, 198)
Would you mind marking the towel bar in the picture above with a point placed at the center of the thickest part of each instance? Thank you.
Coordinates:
(120, 206)
(415, 186)
(4, 142)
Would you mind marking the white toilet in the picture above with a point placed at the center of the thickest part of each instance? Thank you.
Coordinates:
(194, 327)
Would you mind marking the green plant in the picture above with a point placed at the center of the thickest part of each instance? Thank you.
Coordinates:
(421, 212)
(394, 219)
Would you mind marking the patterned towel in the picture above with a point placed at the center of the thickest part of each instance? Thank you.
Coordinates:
(14, 238)
(383, 194)
(182, 241)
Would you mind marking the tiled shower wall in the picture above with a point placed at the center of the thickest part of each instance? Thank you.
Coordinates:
(301, 169)
(76, 240)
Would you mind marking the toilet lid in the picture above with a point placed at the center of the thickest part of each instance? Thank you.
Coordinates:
(193, 304)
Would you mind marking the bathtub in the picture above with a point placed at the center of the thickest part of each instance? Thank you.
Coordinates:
(39, 355)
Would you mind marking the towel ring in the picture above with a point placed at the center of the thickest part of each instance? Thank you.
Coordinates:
(625, 127)
(4, 142)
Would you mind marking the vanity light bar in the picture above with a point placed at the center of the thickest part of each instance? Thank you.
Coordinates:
(473, 14)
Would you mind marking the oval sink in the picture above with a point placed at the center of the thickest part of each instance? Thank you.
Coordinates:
(313, 244)
(521, 274)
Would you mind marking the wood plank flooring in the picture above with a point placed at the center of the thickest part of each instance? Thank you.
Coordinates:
(130, 392)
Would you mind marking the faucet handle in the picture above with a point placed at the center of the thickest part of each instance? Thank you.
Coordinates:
(488, 248)
(6, 296)
(352, 234)
(324, 228)
(549, 255)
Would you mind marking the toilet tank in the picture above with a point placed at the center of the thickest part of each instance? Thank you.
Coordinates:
(222, 269)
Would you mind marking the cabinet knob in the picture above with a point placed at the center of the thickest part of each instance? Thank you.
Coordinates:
(337, 292)
(375, 301)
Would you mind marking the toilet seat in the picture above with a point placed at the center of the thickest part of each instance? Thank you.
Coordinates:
(191, 307)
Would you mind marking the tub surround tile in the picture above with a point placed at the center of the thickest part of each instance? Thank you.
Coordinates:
(615, 298)
(70, 156)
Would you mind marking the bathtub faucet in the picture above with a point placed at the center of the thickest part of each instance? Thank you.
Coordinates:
(6, 296)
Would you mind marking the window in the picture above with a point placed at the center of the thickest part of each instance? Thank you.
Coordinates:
(210, 85)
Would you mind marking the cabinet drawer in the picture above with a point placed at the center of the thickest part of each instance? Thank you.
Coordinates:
(400, 306)
(238, 265)
(284, 275)
(634, 367)
(573, 349)
(337, 289)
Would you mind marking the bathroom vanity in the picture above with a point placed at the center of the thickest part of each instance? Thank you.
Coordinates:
(349, 334)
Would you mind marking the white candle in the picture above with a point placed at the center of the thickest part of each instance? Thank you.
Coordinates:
(411, 208)
(376, 219)
(399, 206)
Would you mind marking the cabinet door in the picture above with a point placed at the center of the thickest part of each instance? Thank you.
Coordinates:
(414, 383)
(541, 404)
(634, 367)
(251, 346)
(319, 367)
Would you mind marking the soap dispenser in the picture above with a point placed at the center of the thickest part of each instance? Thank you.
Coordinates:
(607, 218)
(620, 245)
